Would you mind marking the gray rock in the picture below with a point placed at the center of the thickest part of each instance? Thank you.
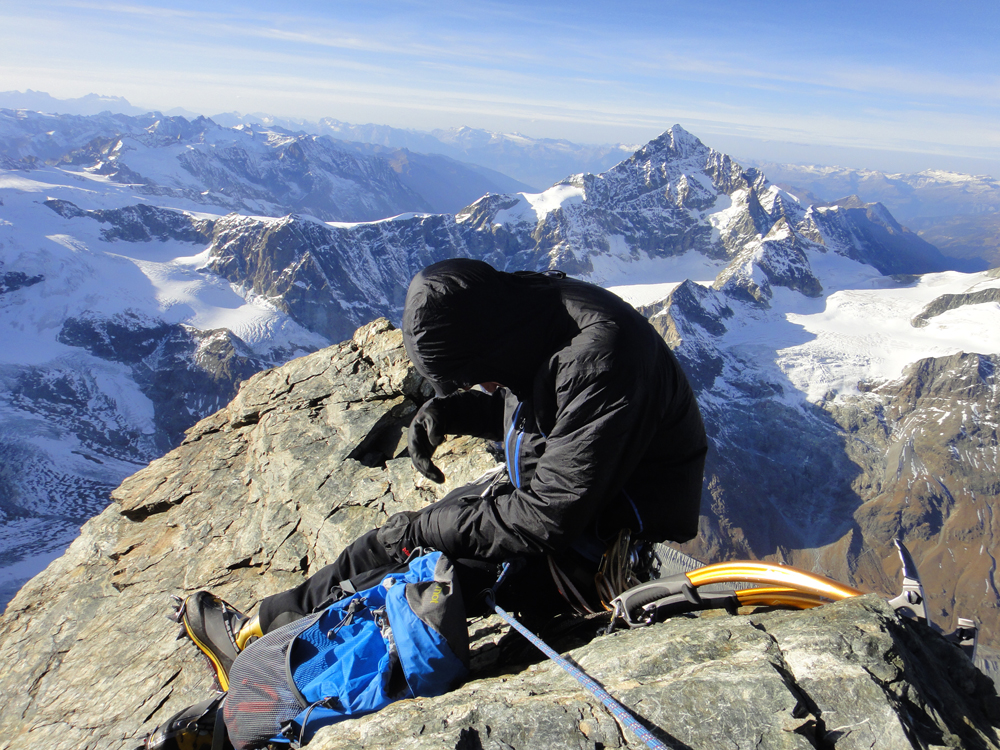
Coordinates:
(847, 675)
(308, 456)
(11, 281)
(947, 302)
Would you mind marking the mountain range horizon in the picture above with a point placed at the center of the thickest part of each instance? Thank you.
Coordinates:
(748, 149)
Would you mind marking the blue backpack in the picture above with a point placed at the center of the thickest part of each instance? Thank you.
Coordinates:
(402, 638)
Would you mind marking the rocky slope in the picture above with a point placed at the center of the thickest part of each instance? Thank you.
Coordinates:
(310, 454)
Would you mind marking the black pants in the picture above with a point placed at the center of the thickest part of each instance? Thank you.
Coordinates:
(529, 588)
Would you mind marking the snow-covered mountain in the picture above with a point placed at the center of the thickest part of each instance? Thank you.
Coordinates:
(959, 213)
(533, 161)
(202, 164)
(830, 346)
(674, 206)
(930, 193)
(498, 157)
(251, 170)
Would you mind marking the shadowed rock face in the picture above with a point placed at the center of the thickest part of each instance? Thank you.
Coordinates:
(308, 456)
(927, 445)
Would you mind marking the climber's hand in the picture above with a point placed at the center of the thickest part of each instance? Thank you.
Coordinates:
(424, 436)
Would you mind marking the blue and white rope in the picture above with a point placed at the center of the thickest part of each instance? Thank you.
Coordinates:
(617, 709)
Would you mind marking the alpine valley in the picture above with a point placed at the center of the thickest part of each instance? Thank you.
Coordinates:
(845, 372)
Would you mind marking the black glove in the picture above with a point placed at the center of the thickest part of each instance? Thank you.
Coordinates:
(426, 433)
(463, 413)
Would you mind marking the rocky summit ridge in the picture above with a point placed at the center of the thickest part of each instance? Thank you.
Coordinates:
(310, 454)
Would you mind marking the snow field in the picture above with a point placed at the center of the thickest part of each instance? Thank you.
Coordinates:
(860, 332)
(533, 207)
(164, 281)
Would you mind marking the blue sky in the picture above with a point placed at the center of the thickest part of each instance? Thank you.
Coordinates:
(885, 84)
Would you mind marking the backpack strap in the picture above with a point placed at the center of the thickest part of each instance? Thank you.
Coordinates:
(220, 737)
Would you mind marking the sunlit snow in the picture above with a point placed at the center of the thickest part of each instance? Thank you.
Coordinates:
(866, 334)
(861, 331)
(165, 281)
(533, 207)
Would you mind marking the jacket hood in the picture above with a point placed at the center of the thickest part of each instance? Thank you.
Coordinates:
(466, 323)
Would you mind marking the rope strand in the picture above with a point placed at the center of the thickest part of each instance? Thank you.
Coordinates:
(617, 709)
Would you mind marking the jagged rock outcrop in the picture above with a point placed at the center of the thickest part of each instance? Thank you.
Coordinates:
(958, 213)
(304, 459)
(140, 223)
(311, 454)
(14, 280)
(850, 675)
(948, 302)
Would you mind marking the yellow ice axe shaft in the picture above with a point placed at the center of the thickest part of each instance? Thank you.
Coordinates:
(776, 575)
(776, 596)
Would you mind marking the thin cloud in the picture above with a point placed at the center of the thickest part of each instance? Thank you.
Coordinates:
(417, 63)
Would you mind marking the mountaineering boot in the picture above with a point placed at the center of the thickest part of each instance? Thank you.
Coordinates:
(218, 629)
(197, 727)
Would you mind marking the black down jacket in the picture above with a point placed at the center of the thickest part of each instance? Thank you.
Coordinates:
(599, 424)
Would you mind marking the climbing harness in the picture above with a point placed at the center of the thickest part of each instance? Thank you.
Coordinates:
(615, 574)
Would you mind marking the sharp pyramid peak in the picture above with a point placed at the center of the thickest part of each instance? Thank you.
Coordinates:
(675, 143)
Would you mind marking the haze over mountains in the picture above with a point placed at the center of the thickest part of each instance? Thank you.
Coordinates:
(846, 373)
(534, 163)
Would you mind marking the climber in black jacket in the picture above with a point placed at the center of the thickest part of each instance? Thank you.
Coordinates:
(599, 425)
(602, 431)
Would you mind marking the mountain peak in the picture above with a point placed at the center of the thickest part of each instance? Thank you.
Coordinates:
(674, 144)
